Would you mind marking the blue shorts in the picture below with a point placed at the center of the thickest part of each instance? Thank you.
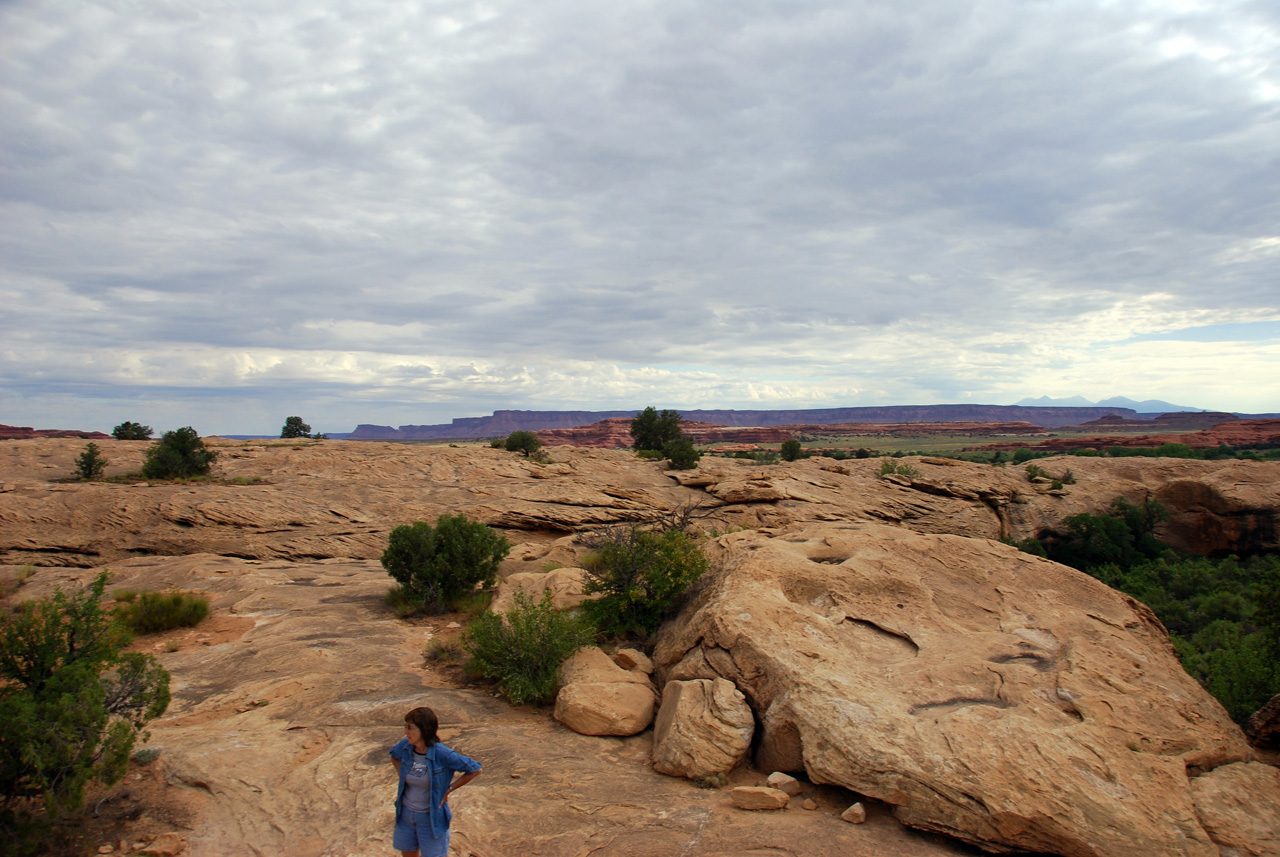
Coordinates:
(413, 833)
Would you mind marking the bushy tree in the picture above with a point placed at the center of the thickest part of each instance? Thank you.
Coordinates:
(791, 450)
(524, 649)
(131, 431)
(90, 464)
(179, 454)
(72, 705)
(438, 565)
(523, 441)
(681, 454)
(295, 427)
(652, 430)
(641, 572)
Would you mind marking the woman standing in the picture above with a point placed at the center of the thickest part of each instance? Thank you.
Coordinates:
(426, 768)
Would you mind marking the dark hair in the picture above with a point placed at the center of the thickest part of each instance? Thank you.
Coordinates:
(427, 722)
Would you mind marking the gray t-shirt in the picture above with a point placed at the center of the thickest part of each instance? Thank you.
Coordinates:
(417, 784)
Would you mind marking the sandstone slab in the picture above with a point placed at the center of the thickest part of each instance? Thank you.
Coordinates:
(1239, 805)
(758, 797)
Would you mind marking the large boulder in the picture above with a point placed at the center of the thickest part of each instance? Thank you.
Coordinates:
(598, 697)
(704, 727)
(984, 693)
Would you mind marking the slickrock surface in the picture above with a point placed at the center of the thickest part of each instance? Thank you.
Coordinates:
(984, 693)
(1008, 701)
(276, 740)
(341, 498)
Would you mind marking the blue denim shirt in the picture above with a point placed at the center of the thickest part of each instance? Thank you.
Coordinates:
(443, 763)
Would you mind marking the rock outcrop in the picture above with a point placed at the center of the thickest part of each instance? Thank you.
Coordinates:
(308, 500)
(983, 693)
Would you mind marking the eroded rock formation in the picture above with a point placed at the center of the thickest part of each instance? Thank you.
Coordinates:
(985, 694)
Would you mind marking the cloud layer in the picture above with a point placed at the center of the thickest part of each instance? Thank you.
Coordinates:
(223, 213)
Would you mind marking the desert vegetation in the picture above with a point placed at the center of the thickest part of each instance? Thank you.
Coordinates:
(436, 566)
(155, 612)
(522, 650)
(90, 464)
(129, 430)
(1222, 614)
(73, 703)
(179, 454)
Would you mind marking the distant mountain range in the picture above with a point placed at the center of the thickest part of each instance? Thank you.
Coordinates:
(1147, 406)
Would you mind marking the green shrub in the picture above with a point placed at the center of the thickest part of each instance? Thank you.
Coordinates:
(890, 468)
(681, 454)
(791, 450)
(1035, 471)
(90, 464)
(154, 612)
(523, 651)
(72, 705)
(438, 565)
(523, 441)
(179, 454)
(497, 443)
(131, 431)
(641, 573)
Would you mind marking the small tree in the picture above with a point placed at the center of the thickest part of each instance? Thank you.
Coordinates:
(72, 705)
(438, 565)
(652, 430)
(295, 427)
(523, 441)
(179, 454)
(131, 431)
(642, 573)
(791, 450)
(681, 454)
(90, 464)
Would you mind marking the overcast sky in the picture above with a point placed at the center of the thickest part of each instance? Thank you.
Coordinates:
(221, 213)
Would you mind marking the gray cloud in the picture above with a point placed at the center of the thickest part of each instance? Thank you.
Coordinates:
(433, 211)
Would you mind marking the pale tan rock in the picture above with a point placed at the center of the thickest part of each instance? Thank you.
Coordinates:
(165, 845)
(809, 804)
(983, 693)
(783, 782)
(106, 849)
(633, 659)
(564, 584)
(758, 797)
(855, 814)
(1239, 805)
(703, 727)
(598, 697)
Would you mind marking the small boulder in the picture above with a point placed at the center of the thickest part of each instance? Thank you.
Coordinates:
(855, 814)
(784, 783)
(600, 698)
(165, 845)
(704, 727)
(758, 797)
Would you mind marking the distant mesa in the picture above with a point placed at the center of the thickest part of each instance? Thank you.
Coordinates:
(502, 423)
(26, 433)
